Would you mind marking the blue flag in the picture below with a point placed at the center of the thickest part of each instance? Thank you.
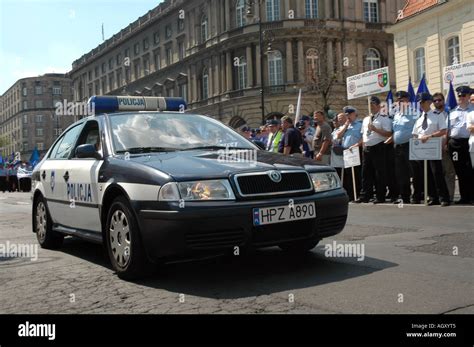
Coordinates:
(423, 88)
(411, 91)
(34, 157)
(451, 102)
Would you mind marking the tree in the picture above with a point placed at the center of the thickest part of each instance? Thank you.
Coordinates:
(4, 141)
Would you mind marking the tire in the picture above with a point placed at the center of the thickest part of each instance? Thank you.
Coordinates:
(299, 247)
(43, 226)
(123, 242)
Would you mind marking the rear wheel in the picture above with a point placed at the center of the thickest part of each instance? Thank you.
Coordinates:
(43, 226)
(301, 246)
(124, 245)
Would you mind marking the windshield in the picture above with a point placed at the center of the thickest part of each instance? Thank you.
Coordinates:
(155, 132)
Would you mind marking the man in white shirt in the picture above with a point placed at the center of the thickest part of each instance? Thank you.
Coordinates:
(376, 129)
(458, 145)
(431, 125)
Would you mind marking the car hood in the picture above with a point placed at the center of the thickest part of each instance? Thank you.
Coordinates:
(197, 164)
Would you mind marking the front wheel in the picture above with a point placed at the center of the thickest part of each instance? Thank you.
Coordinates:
(123, 241)
(301, 246)
(43, 226)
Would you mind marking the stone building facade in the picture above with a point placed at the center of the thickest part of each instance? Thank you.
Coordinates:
(28, 116)
(208, 52)
(431, 35)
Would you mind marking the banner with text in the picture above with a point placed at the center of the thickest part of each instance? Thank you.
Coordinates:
(368, 83)
(459, 74)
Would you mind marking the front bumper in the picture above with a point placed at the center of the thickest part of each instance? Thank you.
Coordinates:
(212, 227)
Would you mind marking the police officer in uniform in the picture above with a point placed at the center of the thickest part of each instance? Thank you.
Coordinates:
(376, 129)
(458, 144)
(275, 135)
(427, 126)
(403, 123)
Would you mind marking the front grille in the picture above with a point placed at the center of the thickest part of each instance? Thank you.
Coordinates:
(215, 239)
(261, 183)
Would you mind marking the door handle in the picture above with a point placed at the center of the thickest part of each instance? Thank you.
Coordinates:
(66, 176)
(43, 175)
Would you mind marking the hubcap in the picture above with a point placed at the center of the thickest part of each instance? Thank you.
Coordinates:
(120, 238)
(41, 221)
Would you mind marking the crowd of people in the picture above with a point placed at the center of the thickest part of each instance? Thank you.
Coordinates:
(15, 177)
(383, 140)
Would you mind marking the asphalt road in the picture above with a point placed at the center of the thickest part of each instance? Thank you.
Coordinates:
(416, 260)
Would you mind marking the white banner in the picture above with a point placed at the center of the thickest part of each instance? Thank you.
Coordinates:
(368, 83)
(351, 158)
(460, 74)
(430, 150)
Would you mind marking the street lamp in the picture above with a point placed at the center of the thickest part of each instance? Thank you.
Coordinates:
(250, 14)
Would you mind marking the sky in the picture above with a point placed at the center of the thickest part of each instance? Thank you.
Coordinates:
(43, 36)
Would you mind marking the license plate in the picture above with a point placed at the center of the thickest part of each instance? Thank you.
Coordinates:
(282, 214)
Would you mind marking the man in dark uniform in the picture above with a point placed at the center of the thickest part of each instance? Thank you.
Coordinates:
(458, 144)
(292, 140)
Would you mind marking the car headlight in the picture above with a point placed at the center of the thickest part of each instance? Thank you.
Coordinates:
(197, 191)
(324, 181)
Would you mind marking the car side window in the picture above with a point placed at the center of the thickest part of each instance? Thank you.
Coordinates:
(63, 148)
(90, 135)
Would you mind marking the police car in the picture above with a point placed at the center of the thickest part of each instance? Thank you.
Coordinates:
(153, 183)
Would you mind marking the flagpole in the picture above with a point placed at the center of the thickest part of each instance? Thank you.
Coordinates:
(298, 108)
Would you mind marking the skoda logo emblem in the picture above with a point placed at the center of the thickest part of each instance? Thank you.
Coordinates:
(275, 176)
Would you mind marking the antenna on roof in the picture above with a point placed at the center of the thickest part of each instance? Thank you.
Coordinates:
(103, 35)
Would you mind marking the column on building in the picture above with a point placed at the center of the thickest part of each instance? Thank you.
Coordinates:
(216, 67)
(337, 15)
(192, 24)
(228, 62)
(300, 9)
(194, 78)
(329, 53)
(249, 59)
(227, 15)
(286, 8)
(222, 13)
(359, 16)
(189, 85)
(210, 71)
(383, 11)
(214, 27)
(360, 56)
(327, 8)
(301, 61)
(258, 66)
(339, 60)
(222, 73)
(289, 62)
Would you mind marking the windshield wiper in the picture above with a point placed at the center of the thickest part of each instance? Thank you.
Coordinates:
(139, 150)
(215, 148)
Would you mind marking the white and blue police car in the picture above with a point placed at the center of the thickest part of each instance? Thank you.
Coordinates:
(153, 183)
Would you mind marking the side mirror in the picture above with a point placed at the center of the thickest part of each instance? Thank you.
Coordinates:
(87, 151)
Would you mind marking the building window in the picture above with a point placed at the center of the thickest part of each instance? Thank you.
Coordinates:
(119, 77)
(137, 69)
(25, 105)
(419, 64)
(25, 132)
(127, 75)
(169, 56)
(39, 103)
(242, 73)
(103, 68)
(146, 44)
(127, 53)
(371, 11)
(25, 91)
(181, 52)
(38, 90)
(111, 82)
(240, 13)
(39, 131)
(273, 10)
(453, 51)
(25, 119)
(96, 71)
(168, 31)
(205, 85)
(25, 146)
(204, 29)
(180, 24)
(146, 65)
(56, 90)
(157, 60)
(40, 146)
(275, 68)
(39, 118)
(312, 65)
(156, 38)
(118, 60)
(372, 59)
(89, 75)
(57, 131)
(311, 7)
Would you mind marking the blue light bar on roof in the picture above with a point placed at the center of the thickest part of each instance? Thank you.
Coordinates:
(108, 104)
